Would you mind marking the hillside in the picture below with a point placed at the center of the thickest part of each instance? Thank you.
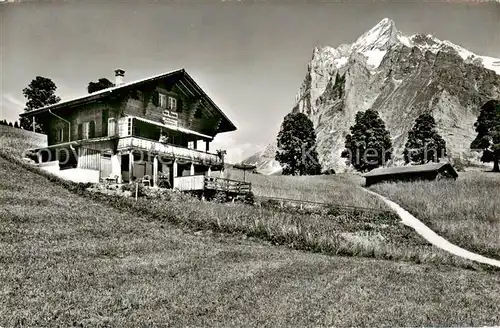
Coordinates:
(69, 260)
(399, 76)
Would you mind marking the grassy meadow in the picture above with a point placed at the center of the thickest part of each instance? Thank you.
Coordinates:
(15, 141)
(72, 260)
(342, 189)
(465, 211)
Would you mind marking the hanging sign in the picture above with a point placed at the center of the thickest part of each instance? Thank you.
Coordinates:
(170, 117)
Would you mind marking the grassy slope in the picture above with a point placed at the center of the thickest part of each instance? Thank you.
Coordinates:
(465, 211)
(68, 260)
(343, 189)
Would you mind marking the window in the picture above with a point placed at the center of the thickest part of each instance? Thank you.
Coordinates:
(111, 126)
(172, 103)
(191, 144)
(91, 129)
(162, 100)
(80, 131)
(124, 126)
(104, 122)
(129, 126)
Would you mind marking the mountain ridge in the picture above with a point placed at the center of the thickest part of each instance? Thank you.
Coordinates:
(399, 76)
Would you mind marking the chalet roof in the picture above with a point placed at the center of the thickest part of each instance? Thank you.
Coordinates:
(431, 167)
(181, 73)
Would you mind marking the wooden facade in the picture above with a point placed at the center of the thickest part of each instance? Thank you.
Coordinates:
(162, 125)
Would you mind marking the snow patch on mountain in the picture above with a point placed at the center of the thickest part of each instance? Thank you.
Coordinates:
(374, 57)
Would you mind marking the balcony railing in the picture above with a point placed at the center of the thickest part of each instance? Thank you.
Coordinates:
(172, 151)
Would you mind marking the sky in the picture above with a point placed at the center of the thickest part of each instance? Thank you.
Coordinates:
(249, 56)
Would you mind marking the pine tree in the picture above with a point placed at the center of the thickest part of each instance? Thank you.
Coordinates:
(39, 93)
(424, 142)
(488, 133)
(16, 125)
(369, 144)
(297, 146)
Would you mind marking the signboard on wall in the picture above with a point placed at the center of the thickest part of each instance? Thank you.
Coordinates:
(170, 117)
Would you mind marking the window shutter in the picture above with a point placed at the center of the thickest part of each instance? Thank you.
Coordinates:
(91, 129)
(86, 130)
(155, 98)
(80, 131)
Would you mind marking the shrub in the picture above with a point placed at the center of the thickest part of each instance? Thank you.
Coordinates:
(220, 197)
(132, 188)
(249, 198)
(163, 182)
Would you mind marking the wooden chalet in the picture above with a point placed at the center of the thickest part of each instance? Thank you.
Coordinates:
(158, 127)
(431, 171)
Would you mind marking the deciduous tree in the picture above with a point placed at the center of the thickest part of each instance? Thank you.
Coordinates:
(39, 93)
(297, 146)
(424, 142)
(488, 133)
(369, 144)
(102, 83)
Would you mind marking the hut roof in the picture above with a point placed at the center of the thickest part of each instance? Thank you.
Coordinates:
(431, 167)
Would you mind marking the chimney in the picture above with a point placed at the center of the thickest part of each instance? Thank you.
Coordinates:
(119, 76)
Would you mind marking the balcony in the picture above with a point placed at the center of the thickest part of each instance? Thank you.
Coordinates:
(172, 151)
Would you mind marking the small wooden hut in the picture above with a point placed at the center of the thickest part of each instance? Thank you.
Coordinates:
(431, 171)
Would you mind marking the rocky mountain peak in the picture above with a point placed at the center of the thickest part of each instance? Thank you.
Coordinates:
(379, 37)
(399, 76)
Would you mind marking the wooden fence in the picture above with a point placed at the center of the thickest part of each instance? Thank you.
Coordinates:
(227, 185)
(201, 182)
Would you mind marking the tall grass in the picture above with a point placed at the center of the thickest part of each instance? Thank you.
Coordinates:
(465, 211)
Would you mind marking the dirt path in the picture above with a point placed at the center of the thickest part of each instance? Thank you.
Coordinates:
(433, 237)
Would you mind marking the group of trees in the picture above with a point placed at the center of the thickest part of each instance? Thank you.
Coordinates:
(369, 144)
(15, 125)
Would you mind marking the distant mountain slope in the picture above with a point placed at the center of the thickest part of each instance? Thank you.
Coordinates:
(399, 76)
(264, 159)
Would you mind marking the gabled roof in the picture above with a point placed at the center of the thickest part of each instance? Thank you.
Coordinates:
(431, 167)
(181, 73)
